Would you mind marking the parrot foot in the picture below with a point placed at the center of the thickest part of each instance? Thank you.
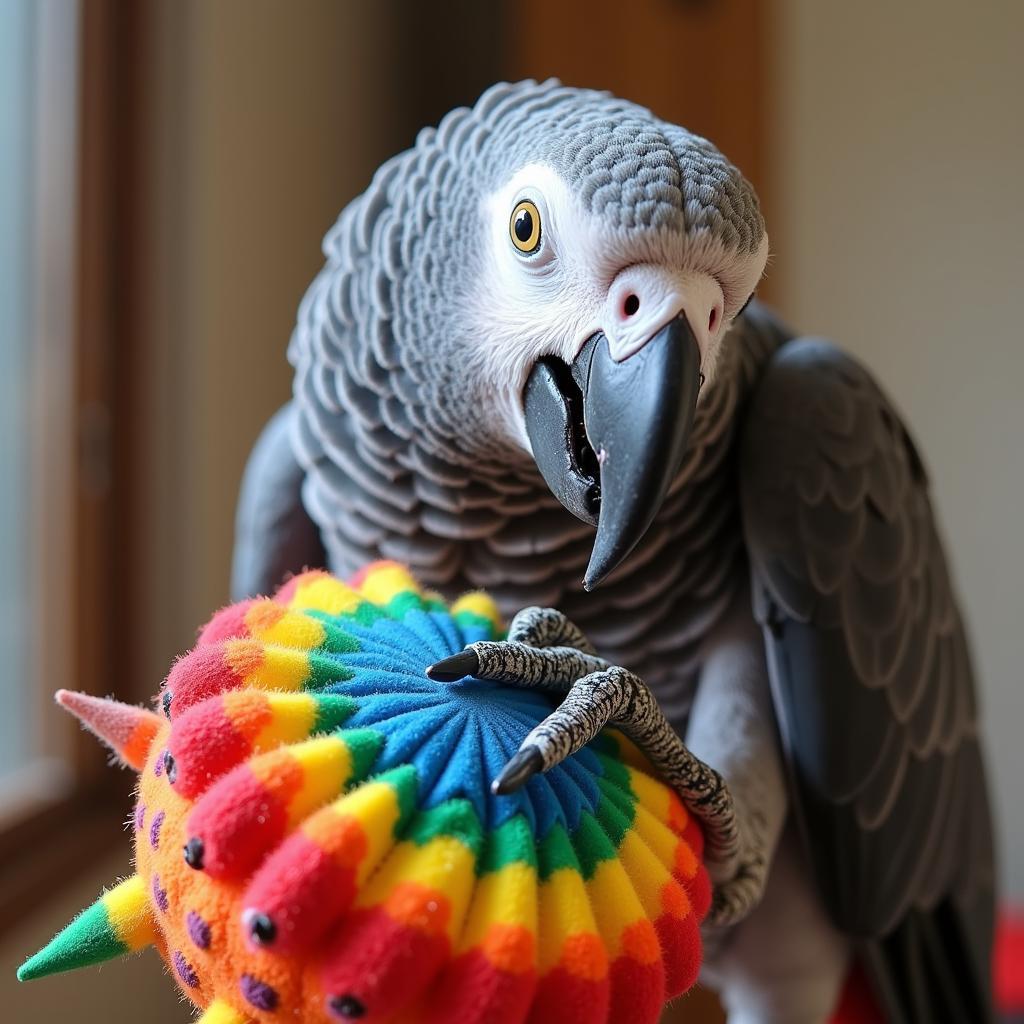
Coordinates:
(546, 651)
(735, 897)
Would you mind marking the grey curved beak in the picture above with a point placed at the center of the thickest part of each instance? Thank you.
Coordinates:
(610, 437)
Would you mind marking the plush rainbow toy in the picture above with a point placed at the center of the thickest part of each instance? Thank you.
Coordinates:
(316, 839)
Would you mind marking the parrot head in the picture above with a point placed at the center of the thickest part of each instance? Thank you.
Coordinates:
(549, 274)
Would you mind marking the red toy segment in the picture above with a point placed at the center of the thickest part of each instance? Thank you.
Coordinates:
(305, 886)
(638, 977)
(691, 872)
(217, 734)
(698, 888)
(204, 672)
(381, 963)
(564, 997)
(243, 816)
(681, 951)
(693, 835)
(206, 743)
(677, 817)
(228, 622)
(472, 990)
(251, 809)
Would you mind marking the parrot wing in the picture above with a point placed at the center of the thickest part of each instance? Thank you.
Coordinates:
(274, 535)
(871, 681)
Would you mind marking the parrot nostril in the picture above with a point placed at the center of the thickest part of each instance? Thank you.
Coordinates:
(713, 319)
(631, 305)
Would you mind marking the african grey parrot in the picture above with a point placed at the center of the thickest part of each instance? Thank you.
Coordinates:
(543, 308)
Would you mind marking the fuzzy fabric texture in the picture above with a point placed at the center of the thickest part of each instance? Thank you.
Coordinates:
(316, 837)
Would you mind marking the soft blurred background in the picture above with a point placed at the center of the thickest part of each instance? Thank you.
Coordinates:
(167, 170)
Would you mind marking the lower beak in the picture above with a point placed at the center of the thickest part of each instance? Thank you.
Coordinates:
(610, 437)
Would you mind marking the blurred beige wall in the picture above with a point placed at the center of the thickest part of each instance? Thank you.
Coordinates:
(135, 988)
(267, 118)
(263, 127)
(898, 231)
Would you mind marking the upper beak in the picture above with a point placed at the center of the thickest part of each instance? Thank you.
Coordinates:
(610, 437)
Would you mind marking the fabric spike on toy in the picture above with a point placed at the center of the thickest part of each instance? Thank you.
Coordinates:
(316, 837)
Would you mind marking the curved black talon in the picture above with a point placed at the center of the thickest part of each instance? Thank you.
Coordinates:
(455, 667)
(519, 770)
(347, 1006)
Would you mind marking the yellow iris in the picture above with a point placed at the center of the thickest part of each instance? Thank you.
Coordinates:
(524, 227)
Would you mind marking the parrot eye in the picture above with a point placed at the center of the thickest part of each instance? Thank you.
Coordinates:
(524, 227)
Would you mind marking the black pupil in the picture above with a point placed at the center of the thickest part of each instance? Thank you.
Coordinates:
(348, 1006)
(263, 929)
(524, 226)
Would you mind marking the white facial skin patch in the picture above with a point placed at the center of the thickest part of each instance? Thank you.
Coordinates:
(586, 277)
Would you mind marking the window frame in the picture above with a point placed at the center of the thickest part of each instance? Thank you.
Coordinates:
(55, 812)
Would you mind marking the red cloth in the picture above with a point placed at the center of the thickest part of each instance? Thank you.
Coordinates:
(1008, 963)
(856, 1006)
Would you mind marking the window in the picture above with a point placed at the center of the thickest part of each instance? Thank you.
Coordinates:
(37, 181)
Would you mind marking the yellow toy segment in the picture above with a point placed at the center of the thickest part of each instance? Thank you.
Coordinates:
(325, 594)
(503, 917)
(326, 764)
(219, 1012)
(292, 716)
(477, 602)
(564, 913)
(616, 904)
(385, 581)
(268, 621)
(375, 807)
(128, 910)
(426, 887)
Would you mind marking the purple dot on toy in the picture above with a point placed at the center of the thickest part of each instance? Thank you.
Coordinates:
(158, 765)
(185, 970)
(159, 895)
(258, 993)
(154, 830)
(140, 817)
(198, 930)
